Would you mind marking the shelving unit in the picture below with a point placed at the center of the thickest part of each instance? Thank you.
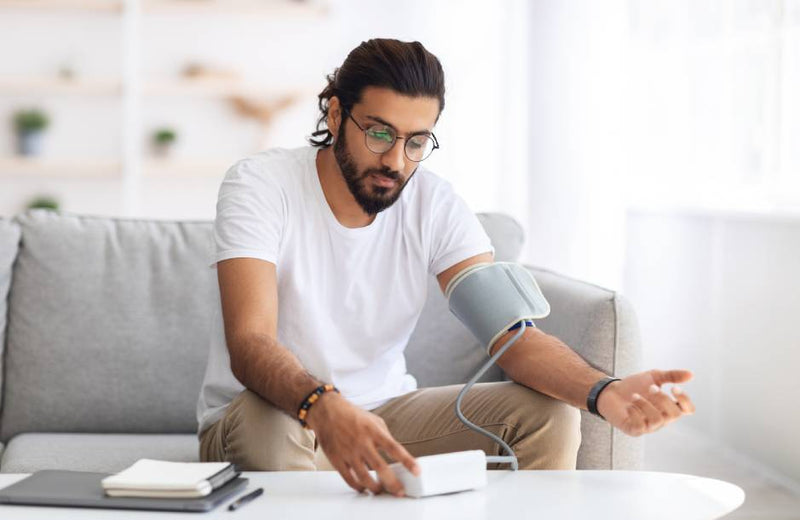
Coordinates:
(52, 85)
(134, 165)
(81, 5)
(62, 168)
(189, 168)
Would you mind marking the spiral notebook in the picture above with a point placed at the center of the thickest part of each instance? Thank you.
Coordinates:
(164, 479)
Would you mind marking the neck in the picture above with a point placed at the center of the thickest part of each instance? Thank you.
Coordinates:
(340, 200)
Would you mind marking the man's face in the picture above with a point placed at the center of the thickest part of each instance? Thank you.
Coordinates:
(377, 180)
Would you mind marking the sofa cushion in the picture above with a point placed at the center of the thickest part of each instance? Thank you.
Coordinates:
(9, 242)
(107, 453)
(108, 325)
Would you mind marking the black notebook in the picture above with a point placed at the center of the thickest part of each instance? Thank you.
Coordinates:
(83, 489)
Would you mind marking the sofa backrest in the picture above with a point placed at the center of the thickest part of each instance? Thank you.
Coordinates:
(9, 243)
(109, 323)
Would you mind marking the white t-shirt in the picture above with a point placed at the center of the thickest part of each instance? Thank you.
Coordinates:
(348, 298)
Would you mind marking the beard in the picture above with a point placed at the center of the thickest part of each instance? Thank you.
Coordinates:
(379, 197)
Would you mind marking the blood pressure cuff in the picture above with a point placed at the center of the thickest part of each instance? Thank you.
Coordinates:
(489, 298)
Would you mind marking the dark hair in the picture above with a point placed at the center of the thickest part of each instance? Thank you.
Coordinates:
(405, 67)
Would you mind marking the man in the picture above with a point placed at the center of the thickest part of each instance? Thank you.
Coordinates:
(322, 255)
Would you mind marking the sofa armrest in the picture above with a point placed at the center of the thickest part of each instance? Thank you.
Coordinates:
(601, 326)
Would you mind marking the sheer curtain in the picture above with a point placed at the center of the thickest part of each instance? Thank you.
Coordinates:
(715, 98)
(648, 103)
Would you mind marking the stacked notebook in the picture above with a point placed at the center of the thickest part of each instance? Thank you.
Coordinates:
(162, 479)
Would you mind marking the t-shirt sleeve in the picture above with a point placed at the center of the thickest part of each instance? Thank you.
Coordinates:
(456, 233)
(250, 214)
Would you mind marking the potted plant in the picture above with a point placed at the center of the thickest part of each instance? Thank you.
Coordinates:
(163, 140)
(44, 202)
(30, 125)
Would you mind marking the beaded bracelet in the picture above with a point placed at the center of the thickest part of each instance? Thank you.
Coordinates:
(312, 398)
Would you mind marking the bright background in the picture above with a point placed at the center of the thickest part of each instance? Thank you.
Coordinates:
(646, 146)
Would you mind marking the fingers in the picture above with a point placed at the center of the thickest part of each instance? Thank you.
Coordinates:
(652, 417)
(385, 474)
(683, 400)
(671, 376)
(347, 474)
(656, 410)
(358, 471)
(396, 451)
(669, 409)
(364, 478)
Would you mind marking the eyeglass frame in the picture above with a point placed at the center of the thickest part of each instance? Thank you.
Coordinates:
(396, 137)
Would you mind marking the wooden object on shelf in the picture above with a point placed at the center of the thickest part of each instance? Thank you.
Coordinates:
(195, 70)
(263, 111)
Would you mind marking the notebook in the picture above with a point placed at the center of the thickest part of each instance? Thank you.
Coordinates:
(84, 489)
(163, 479)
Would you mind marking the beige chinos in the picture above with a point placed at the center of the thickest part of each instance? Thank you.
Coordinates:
(543, 432)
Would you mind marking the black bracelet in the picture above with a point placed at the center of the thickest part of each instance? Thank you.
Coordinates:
(594, 393)
(312, 398)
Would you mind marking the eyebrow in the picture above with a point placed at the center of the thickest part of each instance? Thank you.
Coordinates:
(381, 121)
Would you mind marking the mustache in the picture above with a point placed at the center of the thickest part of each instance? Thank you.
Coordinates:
(386, 172)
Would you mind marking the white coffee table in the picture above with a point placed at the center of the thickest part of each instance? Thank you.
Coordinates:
(595, 495)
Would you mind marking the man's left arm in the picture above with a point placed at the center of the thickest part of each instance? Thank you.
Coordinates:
(542, 362)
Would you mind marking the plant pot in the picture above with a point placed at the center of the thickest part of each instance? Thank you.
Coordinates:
(162, 150)
(29, 142)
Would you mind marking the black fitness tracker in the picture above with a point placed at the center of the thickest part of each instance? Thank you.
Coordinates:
(594, 393)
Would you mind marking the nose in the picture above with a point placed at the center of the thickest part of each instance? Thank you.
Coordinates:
(395, 158)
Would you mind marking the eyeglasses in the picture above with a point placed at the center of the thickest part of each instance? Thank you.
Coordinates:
(380, 139)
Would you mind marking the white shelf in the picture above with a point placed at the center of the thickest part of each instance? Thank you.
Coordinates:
(36, 167)
(201, 87)
(51, 85)
(276, 8)
(210, 87)
(54, 167)
(84, 5)
(188, 168)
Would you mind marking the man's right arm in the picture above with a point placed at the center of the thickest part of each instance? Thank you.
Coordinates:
(248, 291)
(350, 437)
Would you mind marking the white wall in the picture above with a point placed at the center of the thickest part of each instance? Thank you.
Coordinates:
(719, 293)
(576, 153)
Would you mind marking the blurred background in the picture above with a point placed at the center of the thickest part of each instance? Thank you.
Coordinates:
(648, 146)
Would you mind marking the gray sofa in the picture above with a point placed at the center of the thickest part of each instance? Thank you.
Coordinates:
(104, 325)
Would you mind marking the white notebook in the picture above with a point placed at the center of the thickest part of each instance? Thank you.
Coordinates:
(158, 478)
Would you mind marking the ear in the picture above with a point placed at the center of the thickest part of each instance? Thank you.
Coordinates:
(334, 115)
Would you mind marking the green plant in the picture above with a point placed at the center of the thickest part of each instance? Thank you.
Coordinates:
(164, 136)
(30, 120)
(44, 202)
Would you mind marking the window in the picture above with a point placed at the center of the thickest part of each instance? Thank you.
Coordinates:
(714, 100)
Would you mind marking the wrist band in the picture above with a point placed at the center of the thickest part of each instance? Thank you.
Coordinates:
(594, 393)
(312, 398)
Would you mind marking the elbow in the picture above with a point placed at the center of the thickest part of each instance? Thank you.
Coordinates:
(244, 351)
